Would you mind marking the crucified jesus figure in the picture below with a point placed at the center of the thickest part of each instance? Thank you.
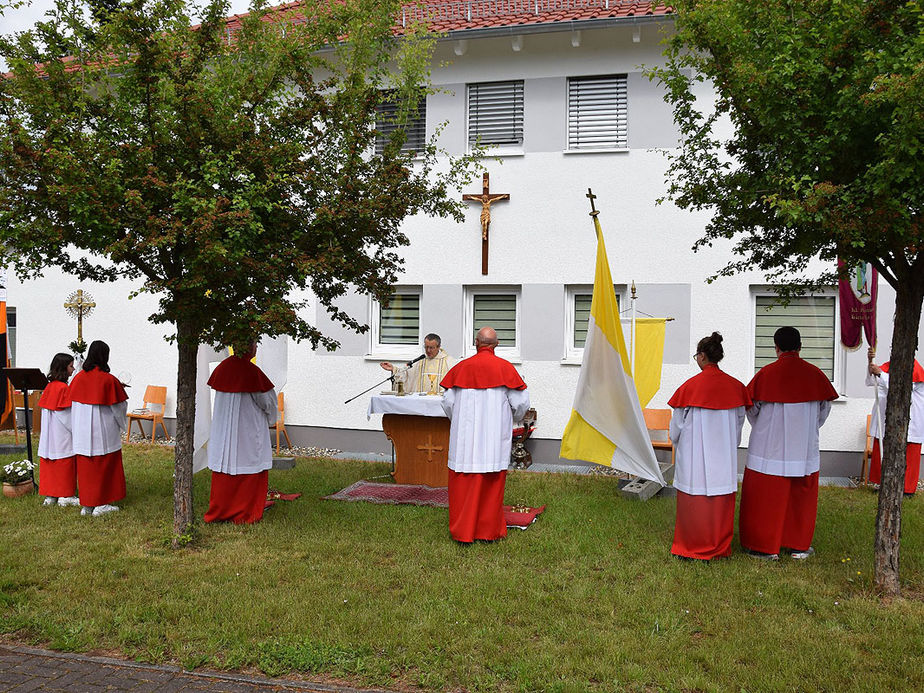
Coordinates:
(485, 198)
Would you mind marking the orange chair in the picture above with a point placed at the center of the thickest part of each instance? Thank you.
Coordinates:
(280, 425)
(659, 420)
(867, 452)
(153, 395)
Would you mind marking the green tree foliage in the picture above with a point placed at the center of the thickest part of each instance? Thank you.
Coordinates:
(812, 151)
(225, 170)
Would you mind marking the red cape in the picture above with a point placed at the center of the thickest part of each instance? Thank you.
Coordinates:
(237, 374)
(711, 389)
(97, 387)
(917, 375)
(791, 379)
(482, 371)
(55, 396)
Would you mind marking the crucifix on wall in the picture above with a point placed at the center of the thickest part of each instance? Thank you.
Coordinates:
(485, 198)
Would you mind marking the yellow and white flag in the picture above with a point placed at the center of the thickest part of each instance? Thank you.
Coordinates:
(606, 424)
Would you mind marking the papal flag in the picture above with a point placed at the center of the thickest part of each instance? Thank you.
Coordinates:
(606, 425)
(6, 389)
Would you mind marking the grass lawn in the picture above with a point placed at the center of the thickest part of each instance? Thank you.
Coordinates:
(587, 599)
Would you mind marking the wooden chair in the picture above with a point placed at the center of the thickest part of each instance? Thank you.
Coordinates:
(35, 420)
(867, 452)
(659, 420)
(153, 395)
(280, 425)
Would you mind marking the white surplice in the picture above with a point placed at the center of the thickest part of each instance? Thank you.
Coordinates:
(97, 429)
(481, 427)
(706, 449)
(916, 422)
(239, 442)
(784, 437)
(55, 441)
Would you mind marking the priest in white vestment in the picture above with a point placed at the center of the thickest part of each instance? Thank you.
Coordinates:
(99, 406)
(779, 496)
(706, 430)
(483, 397)
(424, 374)
(57, 464)
(239, 449)
(878, 377)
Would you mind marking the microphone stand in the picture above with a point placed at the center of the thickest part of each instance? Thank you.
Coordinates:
(370, 388)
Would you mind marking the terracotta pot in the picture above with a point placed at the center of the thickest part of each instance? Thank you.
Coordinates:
(17, 490)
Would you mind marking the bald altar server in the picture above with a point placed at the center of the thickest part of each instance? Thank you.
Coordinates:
(706, 430)
(424, 374)
(878, 377)
(484, 395)
(239, 451)
(57, 464)
(779, 496)
(98, 408)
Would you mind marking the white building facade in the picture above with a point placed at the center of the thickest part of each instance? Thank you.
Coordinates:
(567, 107)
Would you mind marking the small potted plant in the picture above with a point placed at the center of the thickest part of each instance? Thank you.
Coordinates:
(17, 478)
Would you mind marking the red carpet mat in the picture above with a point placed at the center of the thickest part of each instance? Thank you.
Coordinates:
(520, 517)
(393, 494)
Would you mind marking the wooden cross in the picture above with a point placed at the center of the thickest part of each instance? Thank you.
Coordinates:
(590, 196)
(78, 307)
(485, 198)
(430, 447)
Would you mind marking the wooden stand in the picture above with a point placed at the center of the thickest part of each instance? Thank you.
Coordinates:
(421, 448)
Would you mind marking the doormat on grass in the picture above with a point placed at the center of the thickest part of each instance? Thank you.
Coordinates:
(407, 494)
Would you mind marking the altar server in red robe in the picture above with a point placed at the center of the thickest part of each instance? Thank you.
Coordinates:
(779, 496)
(706, 430)
(879, 378)
(57, 465)
(239, 451)
(483, 396)
(98, 410)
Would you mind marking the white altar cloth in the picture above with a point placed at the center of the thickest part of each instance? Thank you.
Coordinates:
(421, 405)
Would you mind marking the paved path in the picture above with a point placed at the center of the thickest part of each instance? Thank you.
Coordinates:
(25, 669)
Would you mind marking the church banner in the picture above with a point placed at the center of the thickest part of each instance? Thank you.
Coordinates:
(606, 425)
(857, 290)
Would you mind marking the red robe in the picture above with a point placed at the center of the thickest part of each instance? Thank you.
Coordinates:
(57, 471)
(100, 477)
(238, 498)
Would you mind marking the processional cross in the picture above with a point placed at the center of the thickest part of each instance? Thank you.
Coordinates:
(485, 198)
(79, 304)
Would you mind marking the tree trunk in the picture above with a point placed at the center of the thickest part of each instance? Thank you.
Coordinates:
(187, 345)
(908, 297)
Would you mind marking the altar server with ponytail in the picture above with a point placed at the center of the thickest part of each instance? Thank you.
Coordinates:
(57, 465)
(98, 410)
(709, 411)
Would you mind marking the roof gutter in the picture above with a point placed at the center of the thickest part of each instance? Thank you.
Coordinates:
(554, 27)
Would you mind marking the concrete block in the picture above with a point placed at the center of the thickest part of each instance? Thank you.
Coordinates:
(283, 463)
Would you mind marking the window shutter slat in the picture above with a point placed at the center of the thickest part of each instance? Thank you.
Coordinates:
(495, 113)
(597, 112)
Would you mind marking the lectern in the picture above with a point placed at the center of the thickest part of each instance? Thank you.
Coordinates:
(26, 379)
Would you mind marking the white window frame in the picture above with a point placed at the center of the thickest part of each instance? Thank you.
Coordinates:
(574, 355)
(622, 113)
(379, 351)
(492, 148)
(840, 361)
(468, 327)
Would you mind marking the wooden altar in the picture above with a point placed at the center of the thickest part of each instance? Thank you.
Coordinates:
(421, 448)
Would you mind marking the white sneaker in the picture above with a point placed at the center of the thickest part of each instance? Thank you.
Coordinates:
(69, 500)
(103, 509)
(50, 500)
(763, 556)
(86, 510)
(802, 555)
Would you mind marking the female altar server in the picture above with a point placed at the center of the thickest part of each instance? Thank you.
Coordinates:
(98, 409)
(706, 430)
(57, 466)
(878, 377)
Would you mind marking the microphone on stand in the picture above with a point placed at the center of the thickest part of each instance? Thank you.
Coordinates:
(419, 358)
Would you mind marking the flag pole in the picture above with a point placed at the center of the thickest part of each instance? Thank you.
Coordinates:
(632, 300)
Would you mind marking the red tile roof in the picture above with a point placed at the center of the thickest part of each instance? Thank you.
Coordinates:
(460, 15)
